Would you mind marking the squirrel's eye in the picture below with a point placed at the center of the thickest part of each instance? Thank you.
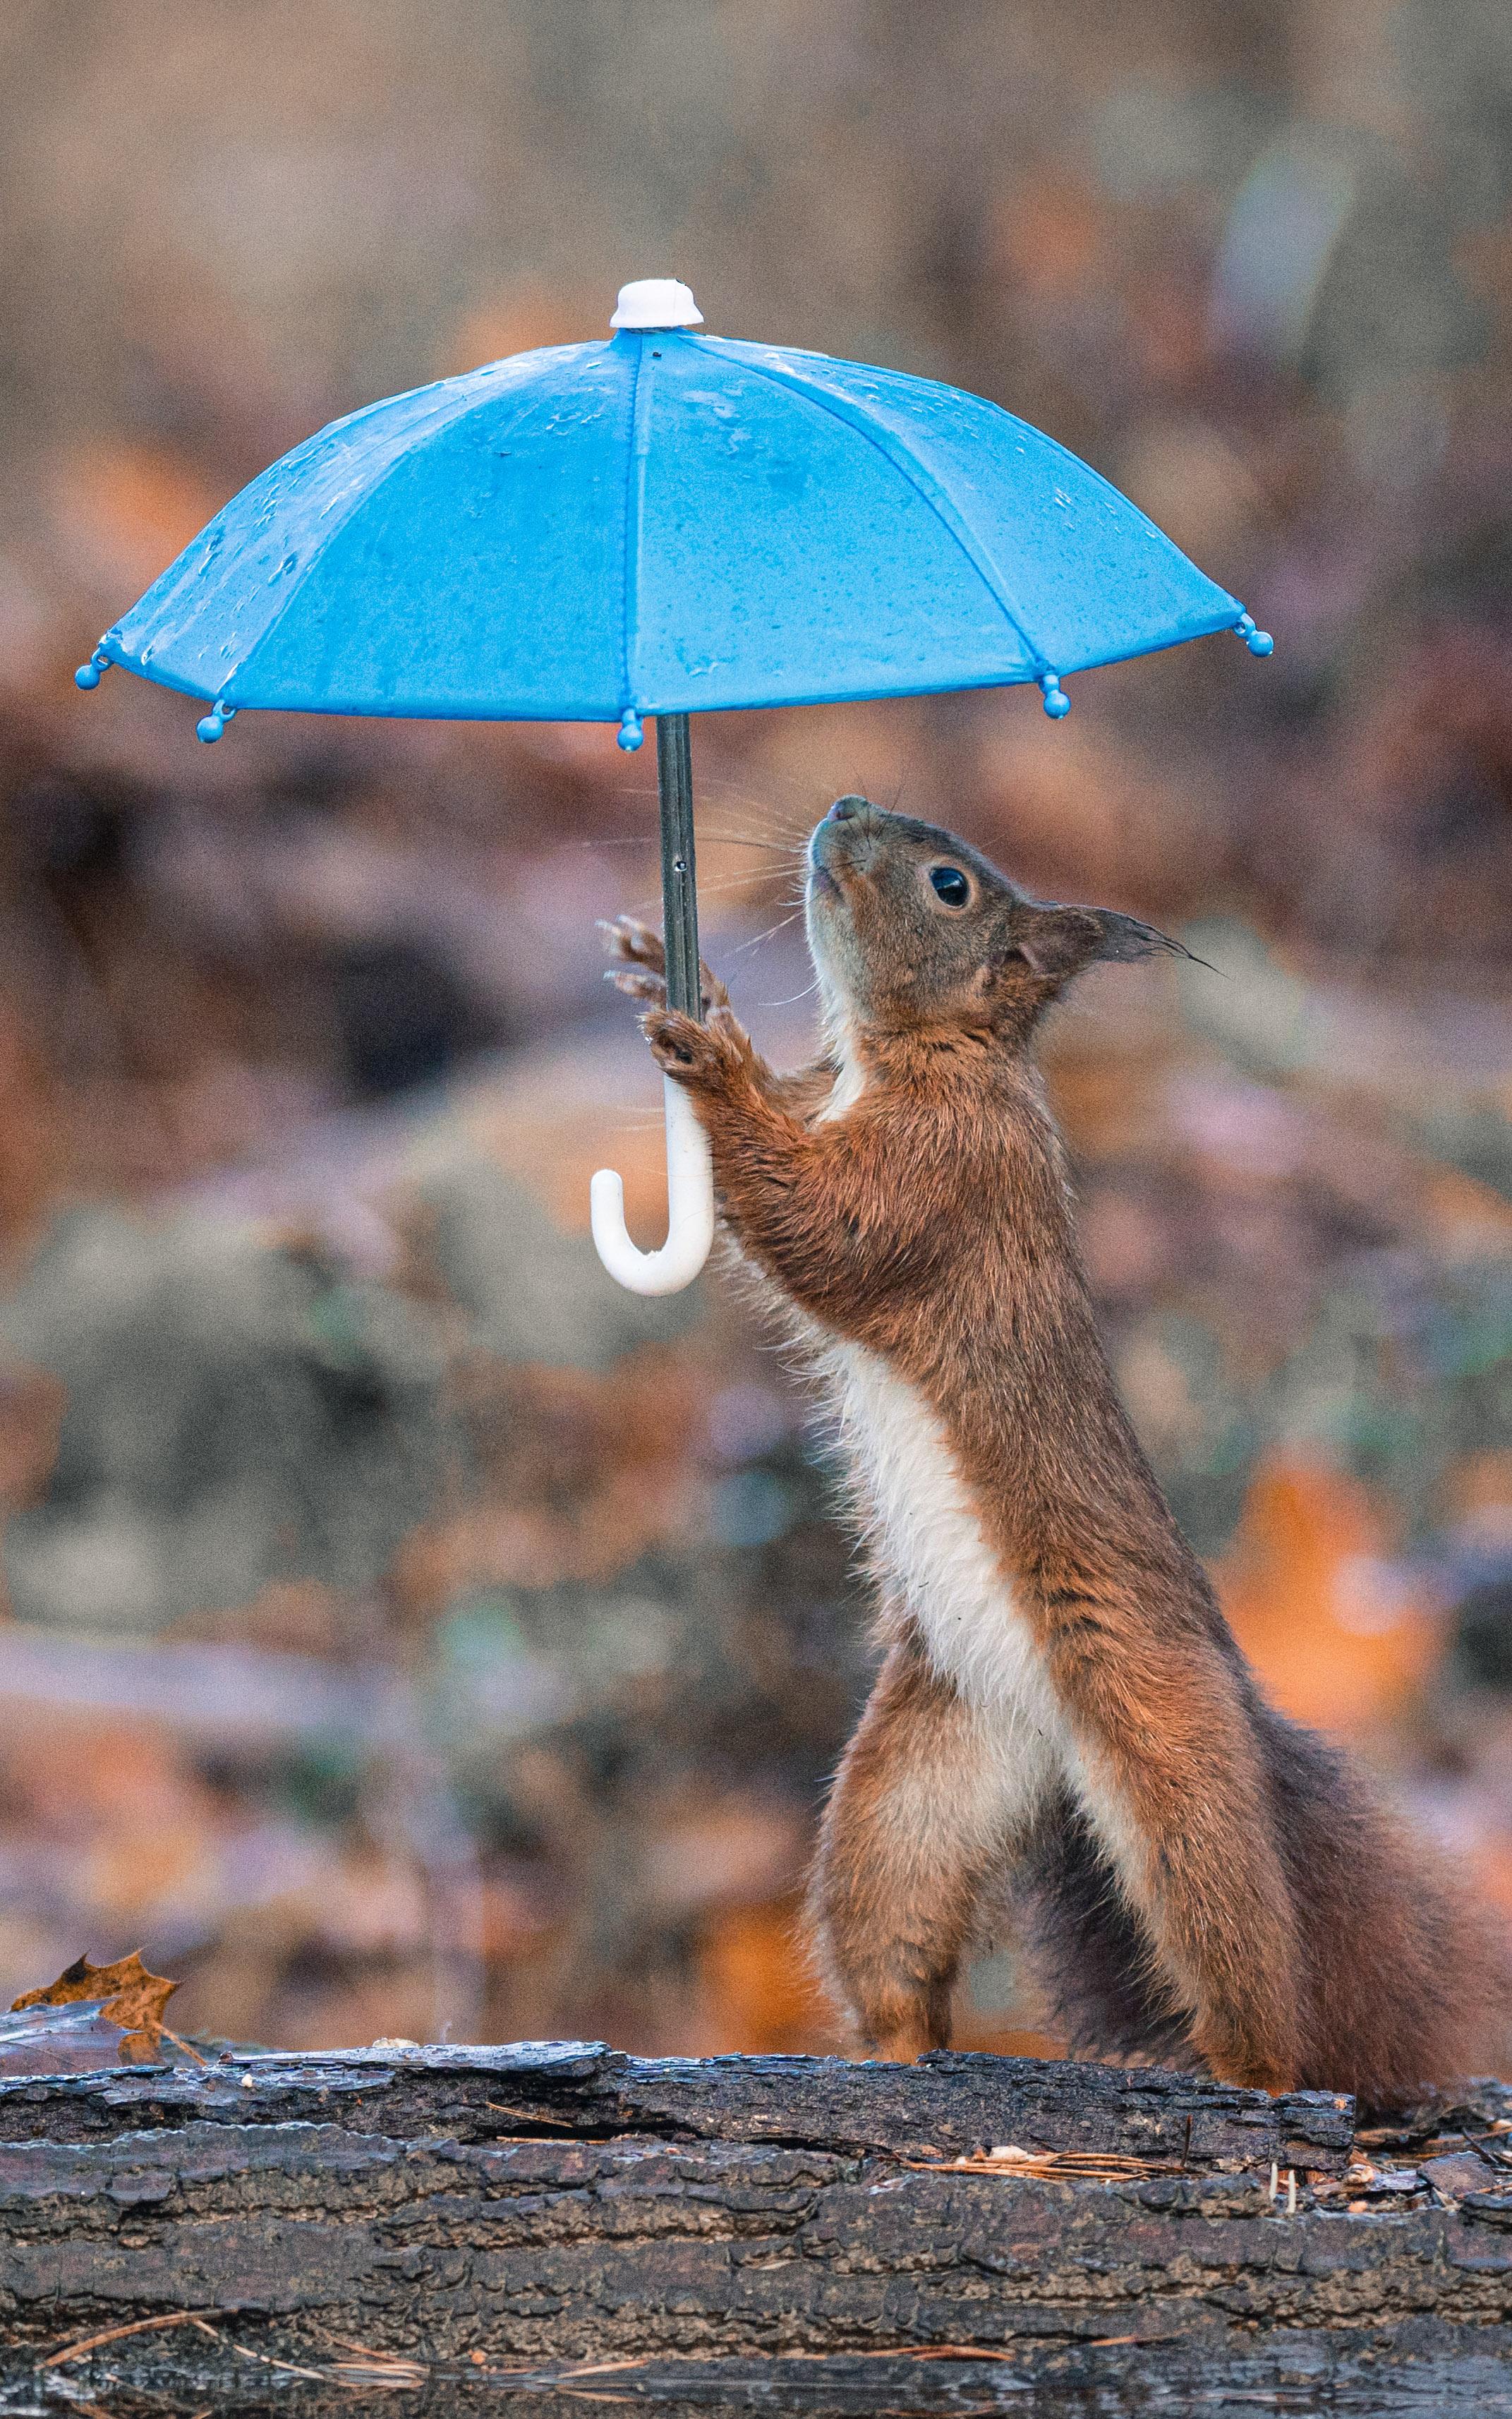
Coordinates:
(949, 884)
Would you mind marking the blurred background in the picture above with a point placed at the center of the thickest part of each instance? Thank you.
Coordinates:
(406, 1633)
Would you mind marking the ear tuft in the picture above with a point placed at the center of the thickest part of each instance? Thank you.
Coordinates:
(1057, 942)
(1126, 940)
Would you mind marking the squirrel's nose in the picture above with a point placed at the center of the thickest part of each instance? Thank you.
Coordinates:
(847, 837)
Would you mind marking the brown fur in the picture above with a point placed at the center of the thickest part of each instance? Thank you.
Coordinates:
(1208, 1881)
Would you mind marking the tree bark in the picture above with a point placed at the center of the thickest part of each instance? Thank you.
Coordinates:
(462, 2225)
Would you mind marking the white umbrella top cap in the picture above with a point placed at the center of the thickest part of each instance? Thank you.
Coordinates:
(657, 302)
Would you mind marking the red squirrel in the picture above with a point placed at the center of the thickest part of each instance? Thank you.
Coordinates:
(1063, 1722)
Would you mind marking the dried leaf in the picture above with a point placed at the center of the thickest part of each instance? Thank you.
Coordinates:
(131, 1997)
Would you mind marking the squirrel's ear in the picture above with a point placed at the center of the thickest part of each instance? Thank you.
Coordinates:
(1056, 942)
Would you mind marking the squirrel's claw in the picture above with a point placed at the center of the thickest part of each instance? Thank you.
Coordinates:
(636, 943)
(638, 985)
(641, 954)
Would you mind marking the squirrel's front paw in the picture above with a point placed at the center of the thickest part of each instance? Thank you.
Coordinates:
(710, 1057)
(640, 970)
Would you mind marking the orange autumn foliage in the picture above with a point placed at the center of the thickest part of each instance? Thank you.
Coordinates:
(764, 1995)
(132, 507)
(1338, 1640)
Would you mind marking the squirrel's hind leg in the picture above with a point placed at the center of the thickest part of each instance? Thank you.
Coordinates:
(927, 1805)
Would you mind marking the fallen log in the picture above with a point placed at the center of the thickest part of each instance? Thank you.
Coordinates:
(463, 2225)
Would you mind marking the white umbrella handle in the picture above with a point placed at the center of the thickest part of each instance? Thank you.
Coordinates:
(689, 1209)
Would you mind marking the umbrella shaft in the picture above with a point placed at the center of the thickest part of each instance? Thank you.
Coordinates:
(679, 896)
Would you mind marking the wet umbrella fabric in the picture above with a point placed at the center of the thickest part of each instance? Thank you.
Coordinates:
(665, 523)
(661, 524)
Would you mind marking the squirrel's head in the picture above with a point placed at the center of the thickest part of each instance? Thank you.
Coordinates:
(910, 927)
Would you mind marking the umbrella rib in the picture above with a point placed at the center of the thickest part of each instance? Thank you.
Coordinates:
(935, 498)
(635, 498)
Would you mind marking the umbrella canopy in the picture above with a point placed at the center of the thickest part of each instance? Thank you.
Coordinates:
(664, 523)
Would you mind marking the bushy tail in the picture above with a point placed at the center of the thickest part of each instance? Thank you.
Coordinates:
(1407, 1982)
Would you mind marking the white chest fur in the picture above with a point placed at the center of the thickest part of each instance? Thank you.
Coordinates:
(850, 1082)
(928, 1539)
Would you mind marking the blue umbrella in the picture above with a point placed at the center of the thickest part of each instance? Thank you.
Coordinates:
(659, 525)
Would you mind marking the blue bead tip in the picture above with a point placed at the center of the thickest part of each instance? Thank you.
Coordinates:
(1259, 642)
(209, 727)
(630, 733)
(87, 676)
(1057, 703)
